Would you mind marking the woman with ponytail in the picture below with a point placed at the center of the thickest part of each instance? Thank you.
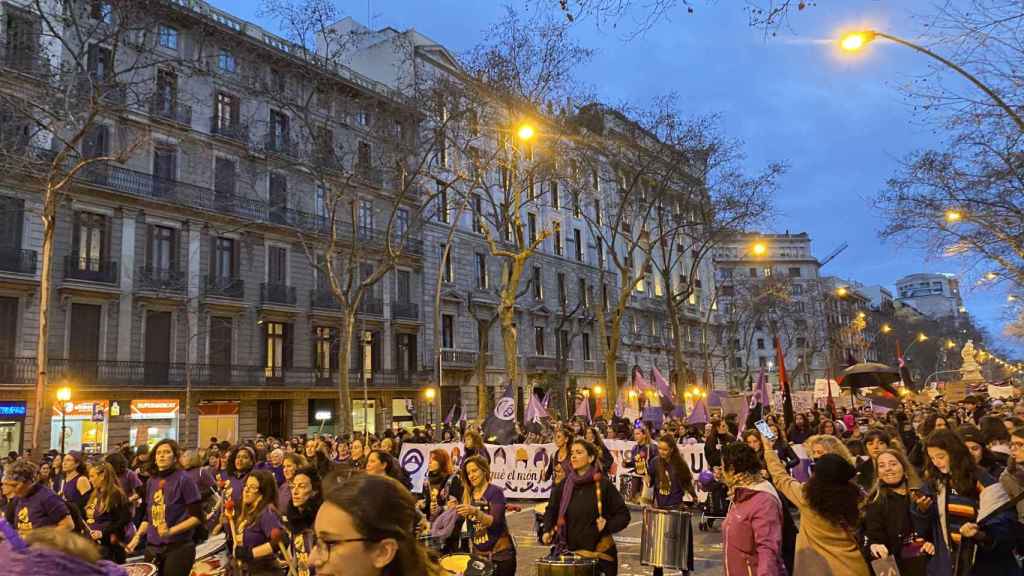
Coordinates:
(483, 506)
(585, 509)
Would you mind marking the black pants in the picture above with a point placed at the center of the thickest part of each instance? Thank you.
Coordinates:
(174, 559)
(505, 567)
(113, 552)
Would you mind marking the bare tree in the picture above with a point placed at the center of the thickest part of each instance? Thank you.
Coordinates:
(74, 71)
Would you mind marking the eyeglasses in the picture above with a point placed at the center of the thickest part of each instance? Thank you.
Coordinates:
(322, 546)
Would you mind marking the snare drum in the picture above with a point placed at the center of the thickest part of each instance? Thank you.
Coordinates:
(566, 565)
(215, 565)
(140, 569)
(464, 564)
(212, 546)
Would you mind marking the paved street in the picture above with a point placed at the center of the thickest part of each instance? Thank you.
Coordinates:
(707, 546)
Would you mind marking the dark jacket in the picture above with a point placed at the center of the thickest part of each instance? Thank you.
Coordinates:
(581, 515)
(887, 521)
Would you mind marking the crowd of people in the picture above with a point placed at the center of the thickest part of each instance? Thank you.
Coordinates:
(933, 489)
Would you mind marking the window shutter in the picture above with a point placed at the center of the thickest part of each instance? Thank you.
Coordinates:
(263, 344)
(236, 258)
(149, 245)
(286, 356)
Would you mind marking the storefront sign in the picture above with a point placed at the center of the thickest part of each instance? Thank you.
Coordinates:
(83, 409)
(115, 409)
(13, 409)
(154, 409)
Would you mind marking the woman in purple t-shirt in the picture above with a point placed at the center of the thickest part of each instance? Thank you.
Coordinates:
(107, 512)
(257, 528)
(483, 506)
(32, 505)
(74, 486)
(173, 511)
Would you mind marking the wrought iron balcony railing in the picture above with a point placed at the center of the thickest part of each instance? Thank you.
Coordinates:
(17, 260)
(158, 279)
(224, 287)
(78, 267)
(271, 293)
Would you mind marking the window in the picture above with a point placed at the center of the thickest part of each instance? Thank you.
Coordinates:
(562, 344)
(443, 214)
(797, 289)
(363, 155)
(278, 131)
(278, 196)
(576, 210)
(224, 261)
(403, 286)
(362, 117)
(161, 248)
(531, 227)
(90, 240)
(165, 160)
(753, 272)
(762, 362)
(224, 176)
(538, 284)
(481, 271)
(277, 348)
(478, 213)
(226, 112)
(725, 273)
(538, 340)
(597, 212)
(98, 142)
(658, 288)
(167, 37)
(365, 218)
(448, 274)
(226, 61)
(585, 345)
(401, 222)
(801, 342)
(600, 254)
(794, 272)
(563, 296)
(760, 343)
(101, 11)
(277, 265)
(100, 62)
(767, 271)
(558, 240)
(447, 331)
(555, 200)
(582, 293)
(325, 350)
(737, 362)
(166, 92)
(278, 80)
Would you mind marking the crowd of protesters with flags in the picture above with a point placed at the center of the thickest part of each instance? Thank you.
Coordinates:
(921, 485)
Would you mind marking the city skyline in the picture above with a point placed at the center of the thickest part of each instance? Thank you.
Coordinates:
(840, 150)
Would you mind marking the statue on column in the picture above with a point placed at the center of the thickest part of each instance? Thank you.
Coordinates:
(969, 370)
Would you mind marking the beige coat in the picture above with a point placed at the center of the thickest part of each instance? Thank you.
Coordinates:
(821, 546)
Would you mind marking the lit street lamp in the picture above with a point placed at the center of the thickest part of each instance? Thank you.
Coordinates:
(429, 394)
(855, 41)
(759, 249)
(64, 397)
(525, 132)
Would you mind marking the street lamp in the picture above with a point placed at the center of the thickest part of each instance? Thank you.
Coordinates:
(598, 393)
(64, 397)
(953, 216)
(525, 132)
(886, 328)
(429, 394)
(922, 337)
(759, 249)
(842, 291)
(854, 41)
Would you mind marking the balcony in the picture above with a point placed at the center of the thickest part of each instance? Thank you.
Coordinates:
(405, 310)
(107, 89)
(223, 287)
(371, 306)
(25, 61)
(77, 267)
(236, 132)
(369, 174)
(170, 109)
(283, 294)
(18, 261)
(155, 279)
(537, 363)
(280, 144)
(323, 299)
(452, 358)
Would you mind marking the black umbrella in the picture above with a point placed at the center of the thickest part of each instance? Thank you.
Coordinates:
(870, 375)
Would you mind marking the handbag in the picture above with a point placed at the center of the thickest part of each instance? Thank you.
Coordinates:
(885, 566)
(443, 526)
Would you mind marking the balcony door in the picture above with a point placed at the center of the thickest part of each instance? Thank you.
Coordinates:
(405, 353)
(84, 340)
(158, 347)
(9, 319)
(89, 243)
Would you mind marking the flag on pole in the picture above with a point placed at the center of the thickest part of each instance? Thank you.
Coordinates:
(905, 376)
(583, 408)
(454, 415)
(787, 397)
(759, 400)
(638, 380)
(500, 425)
(627, 407)
(664, 390)
(535, 409)
(699, 414)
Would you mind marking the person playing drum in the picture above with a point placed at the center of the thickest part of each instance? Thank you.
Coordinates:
(483, 506)
(667, 482)
(300, 513)
(584, 510)
(640, 456)
(255, 524)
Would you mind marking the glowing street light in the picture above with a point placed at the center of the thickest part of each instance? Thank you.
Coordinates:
(954, 216)
(856, 40)
(842, 291)
(922, 337)
(886, 328)
(64, 397)
(429, 393)
(598, 390)
(759, 249)
(525, 132)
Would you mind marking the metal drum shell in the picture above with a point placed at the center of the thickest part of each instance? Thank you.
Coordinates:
(665, 538)
(566, 566)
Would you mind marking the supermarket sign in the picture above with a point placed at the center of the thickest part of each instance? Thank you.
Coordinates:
(82, 410)
(153, 409)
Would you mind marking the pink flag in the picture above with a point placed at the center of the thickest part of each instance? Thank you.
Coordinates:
(699, 414)
(583, 408)
(638, 380)
(662, 385)
(535, 410)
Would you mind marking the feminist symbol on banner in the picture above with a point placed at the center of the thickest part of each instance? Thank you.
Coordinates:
(412, 461)
(505, 409)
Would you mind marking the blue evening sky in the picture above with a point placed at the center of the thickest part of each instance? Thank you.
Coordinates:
(840, 122)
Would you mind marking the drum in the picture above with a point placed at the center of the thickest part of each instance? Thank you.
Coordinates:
(431, 542)
(566, 565)
(466, 565)
(538, 518)
(140, 569)
(213, 545)
(215, 565)
(665, 539)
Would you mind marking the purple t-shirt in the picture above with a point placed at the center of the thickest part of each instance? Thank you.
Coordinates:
(258, 533)
(493, 505)
(167, 501)
(284, 496)
(129, 482)
(41, 507)
(237, 485)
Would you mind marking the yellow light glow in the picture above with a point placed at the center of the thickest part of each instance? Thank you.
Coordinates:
(922, 337)
(950, 344)
(525, 132)
(855, 41)
(759, 249)
(861, 315)
(990, 276)
(598, 390)
(886, 328)
(64, 394)
(953, 216)
(430, 393)
(842, 291)
(632, 394)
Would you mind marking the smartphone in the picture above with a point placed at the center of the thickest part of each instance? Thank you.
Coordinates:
(763, 428)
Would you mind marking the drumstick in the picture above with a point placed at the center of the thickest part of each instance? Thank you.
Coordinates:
(275, 537)
(229, 509)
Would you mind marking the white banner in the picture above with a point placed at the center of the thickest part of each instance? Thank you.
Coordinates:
(517, 468)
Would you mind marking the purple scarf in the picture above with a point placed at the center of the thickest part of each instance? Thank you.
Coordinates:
(571, 482)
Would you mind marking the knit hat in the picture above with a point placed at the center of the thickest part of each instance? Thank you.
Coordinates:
(834, 469)
(969, 433)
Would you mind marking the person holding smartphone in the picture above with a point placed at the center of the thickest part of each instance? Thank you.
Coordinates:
(888, 526)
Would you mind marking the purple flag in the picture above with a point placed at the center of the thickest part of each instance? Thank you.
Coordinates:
(535, 409)
(662, 385)
(500, 425)
(452, 415)
(699, 414)
(583, 408)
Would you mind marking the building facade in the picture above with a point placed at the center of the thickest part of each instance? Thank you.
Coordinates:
(934, 295)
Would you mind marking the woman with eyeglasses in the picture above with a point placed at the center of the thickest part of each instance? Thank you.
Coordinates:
(483, 506)
(256, 526)
(365, 527)
(1012, 478)
(300, 514)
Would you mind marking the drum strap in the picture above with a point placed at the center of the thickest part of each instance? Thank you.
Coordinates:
(597, 490)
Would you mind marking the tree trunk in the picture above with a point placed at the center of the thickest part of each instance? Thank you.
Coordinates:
(45, 279)
(344, 358)
(481, 372)
(507, 316)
